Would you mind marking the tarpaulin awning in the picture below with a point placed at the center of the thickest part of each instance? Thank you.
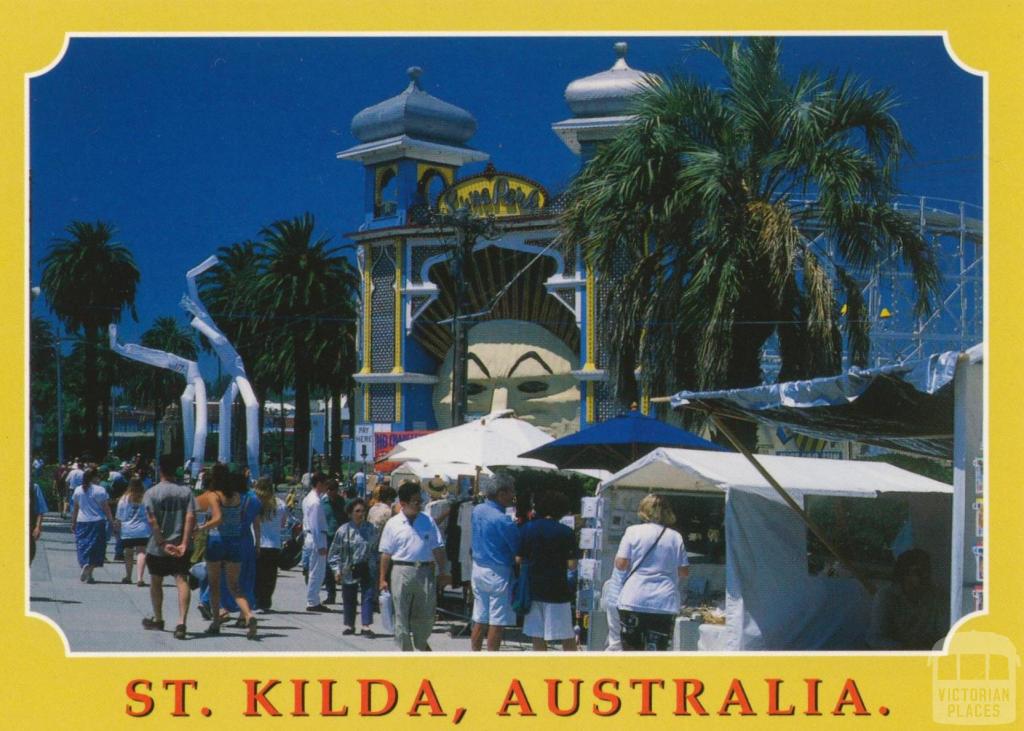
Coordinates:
(902, 407)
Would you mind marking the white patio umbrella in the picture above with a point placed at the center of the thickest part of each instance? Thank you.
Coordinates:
(495, 440)
(449, 471)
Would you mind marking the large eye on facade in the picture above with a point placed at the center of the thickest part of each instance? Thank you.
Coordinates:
(473, 389)
(533, 387)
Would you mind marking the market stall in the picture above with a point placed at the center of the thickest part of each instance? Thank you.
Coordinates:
(777, 589)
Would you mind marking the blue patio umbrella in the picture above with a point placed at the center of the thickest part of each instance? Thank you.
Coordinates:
(613, 444)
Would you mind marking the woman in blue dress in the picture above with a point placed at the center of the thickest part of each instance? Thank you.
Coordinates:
(225, 543)
(251, 528)
(90, 515)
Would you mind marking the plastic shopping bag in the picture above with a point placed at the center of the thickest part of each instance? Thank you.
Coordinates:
(387, 612)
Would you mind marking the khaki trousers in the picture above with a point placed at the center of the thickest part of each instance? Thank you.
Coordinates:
(415, 603)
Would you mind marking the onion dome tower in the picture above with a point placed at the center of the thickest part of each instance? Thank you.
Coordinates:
(406, 142)
(601, 104)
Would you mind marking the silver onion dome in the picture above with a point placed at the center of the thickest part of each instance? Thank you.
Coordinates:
(416, 114)
(609, 93)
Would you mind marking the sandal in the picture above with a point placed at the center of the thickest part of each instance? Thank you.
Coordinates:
(126, 580)
(179, 632)
(251, 632)
(152, 623)
(214, 628)
(204, 611)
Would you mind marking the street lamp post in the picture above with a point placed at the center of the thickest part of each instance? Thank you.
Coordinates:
(468, 230)
(60, 404)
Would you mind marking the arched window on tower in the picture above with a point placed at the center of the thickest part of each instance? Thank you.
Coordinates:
(386, 197)
(430, 185)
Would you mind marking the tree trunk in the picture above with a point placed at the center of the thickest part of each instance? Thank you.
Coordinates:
(105, 419)
(282, 424)
(262, 417)
(336, 431)
(300, 448)
(91, 396)
(745, 369)
(158, 416)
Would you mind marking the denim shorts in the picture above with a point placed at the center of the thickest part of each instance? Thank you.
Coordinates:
(492, 597)
(219, 548)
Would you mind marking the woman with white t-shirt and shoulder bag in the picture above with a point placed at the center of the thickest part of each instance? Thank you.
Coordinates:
(654, 556)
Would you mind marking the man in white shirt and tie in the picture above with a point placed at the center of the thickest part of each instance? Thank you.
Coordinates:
(410, 547)
(314, 524)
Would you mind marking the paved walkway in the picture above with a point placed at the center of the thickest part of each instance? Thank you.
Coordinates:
(106, 616)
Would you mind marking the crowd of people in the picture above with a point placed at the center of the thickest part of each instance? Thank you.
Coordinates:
(388, 551)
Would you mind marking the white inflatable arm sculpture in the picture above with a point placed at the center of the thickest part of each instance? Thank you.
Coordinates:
(232, 363)
(193, 396)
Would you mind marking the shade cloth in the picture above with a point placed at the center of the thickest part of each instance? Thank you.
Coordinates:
(907, 407)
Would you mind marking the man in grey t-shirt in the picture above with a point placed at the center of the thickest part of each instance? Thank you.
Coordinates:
(171, 511)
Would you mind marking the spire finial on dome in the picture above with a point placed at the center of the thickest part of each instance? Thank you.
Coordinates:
(620, 50)
(414, 72)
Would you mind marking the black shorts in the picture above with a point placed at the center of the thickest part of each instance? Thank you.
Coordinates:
(134, 542)
(167, 565)
(645, 630)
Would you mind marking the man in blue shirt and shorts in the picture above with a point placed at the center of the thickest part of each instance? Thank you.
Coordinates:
(495, 544)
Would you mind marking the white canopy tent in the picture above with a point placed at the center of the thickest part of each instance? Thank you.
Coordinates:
(772, 601)
(496, 440)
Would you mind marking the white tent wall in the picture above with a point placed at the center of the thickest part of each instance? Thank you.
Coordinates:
(772, 602)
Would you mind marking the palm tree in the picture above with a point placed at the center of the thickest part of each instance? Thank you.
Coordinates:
(89, 281)
(43, 386)
(334, 358)
(304, 286)
(745, 211)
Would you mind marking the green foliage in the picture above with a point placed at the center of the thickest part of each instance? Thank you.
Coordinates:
(745, 207)
(288, 304)
(862, 529)
(89, 280)
(530, 482)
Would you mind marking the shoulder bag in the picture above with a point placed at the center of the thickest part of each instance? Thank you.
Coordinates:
(644, 557)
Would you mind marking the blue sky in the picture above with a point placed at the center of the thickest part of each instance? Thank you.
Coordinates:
(189, 144)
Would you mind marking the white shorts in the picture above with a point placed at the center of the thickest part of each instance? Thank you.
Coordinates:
(549, 621)
(492, 597)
